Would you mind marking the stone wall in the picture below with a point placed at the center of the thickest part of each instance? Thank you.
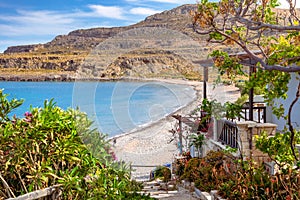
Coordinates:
(248, 128)
(246, 142)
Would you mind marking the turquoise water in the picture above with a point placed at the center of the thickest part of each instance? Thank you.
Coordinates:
(116, 107)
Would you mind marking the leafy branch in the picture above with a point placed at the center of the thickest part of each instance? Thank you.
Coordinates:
(248, 25)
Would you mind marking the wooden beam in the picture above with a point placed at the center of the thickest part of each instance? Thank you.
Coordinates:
(37, 194)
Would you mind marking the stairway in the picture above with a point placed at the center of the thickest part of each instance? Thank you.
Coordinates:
(167, 191)
(159, 190)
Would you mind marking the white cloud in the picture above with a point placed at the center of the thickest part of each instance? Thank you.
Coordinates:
(284, 4)
(168, 1)
(143, 11)
(26, 25)
(108, 11)
(35, 23)
(45, 22)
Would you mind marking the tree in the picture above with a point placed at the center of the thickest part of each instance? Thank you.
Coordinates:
(269, 36)
(253, 26)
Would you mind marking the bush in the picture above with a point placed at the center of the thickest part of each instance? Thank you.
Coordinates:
(180, 164)
(46, 148)
(206, 172)
(253, 182)
(238, 179)
(163, 172)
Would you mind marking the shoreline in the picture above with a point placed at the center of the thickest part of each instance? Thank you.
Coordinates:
(70, 77)
(150, 145)
(194, 84)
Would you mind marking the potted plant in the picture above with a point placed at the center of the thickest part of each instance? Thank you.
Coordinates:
(206, 107)
(205, 114)
(233, 111)
(197, 141)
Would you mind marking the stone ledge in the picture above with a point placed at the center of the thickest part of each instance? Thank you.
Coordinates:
(203, 195)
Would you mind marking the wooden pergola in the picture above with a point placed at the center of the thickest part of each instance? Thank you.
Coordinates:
(246, 60)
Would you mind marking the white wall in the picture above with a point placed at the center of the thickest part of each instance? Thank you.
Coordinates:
(293, 86)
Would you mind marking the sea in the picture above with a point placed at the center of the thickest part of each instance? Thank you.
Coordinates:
(115, 107)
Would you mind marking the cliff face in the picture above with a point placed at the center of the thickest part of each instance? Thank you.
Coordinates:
(145, 64)
(85, 39)
(65, 53)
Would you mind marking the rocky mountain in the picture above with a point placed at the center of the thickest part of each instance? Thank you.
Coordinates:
(84, 39)
(68, 57)
(65, 53)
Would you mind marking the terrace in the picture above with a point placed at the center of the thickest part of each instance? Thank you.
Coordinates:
(222, 133)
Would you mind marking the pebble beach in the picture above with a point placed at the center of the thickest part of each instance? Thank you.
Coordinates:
(150, 145)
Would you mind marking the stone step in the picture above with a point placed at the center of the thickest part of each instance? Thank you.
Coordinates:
(151, 188)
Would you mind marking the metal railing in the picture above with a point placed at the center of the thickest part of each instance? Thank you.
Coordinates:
(259, 114)
(228, 133)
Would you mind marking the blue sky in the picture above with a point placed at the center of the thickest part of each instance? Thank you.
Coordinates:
(39, 21)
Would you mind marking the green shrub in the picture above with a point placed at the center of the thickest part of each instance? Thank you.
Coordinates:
(238, 179)
(163, 172)
(192, 170)
(207, 172)
(179, 167)
(253, 182)
(51, 146)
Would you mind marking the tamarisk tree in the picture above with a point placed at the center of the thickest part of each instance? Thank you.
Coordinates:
(270, 37)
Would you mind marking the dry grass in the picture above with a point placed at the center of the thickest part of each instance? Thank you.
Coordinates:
(29, 72)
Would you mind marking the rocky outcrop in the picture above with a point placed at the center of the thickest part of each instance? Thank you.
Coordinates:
(67, 52)
(24, 48)
(143, 64)
(45, 77)
(51, 62)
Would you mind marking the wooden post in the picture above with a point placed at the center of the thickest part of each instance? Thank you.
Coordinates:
(251, 105)
(251, 95)
(205, 72)
(180, 134)
(179, 118)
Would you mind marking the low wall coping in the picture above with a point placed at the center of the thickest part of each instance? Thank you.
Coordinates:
(251, 124)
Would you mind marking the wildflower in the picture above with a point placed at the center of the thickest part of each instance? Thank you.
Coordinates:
(113, 155)
(87, 178)
(28, 116)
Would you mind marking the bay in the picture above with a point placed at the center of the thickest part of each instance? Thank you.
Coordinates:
(115, 107)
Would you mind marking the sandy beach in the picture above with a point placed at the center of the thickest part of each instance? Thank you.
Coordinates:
(151, 145)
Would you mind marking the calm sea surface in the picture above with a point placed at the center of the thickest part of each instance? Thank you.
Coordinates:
(116, 107)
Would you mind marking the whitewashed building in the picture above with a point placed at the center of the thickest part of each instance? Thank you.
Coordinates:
(293, 87)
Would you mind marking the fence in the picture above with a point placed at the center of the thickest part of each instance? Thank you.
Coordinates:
(227, 133)
(259, 113)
